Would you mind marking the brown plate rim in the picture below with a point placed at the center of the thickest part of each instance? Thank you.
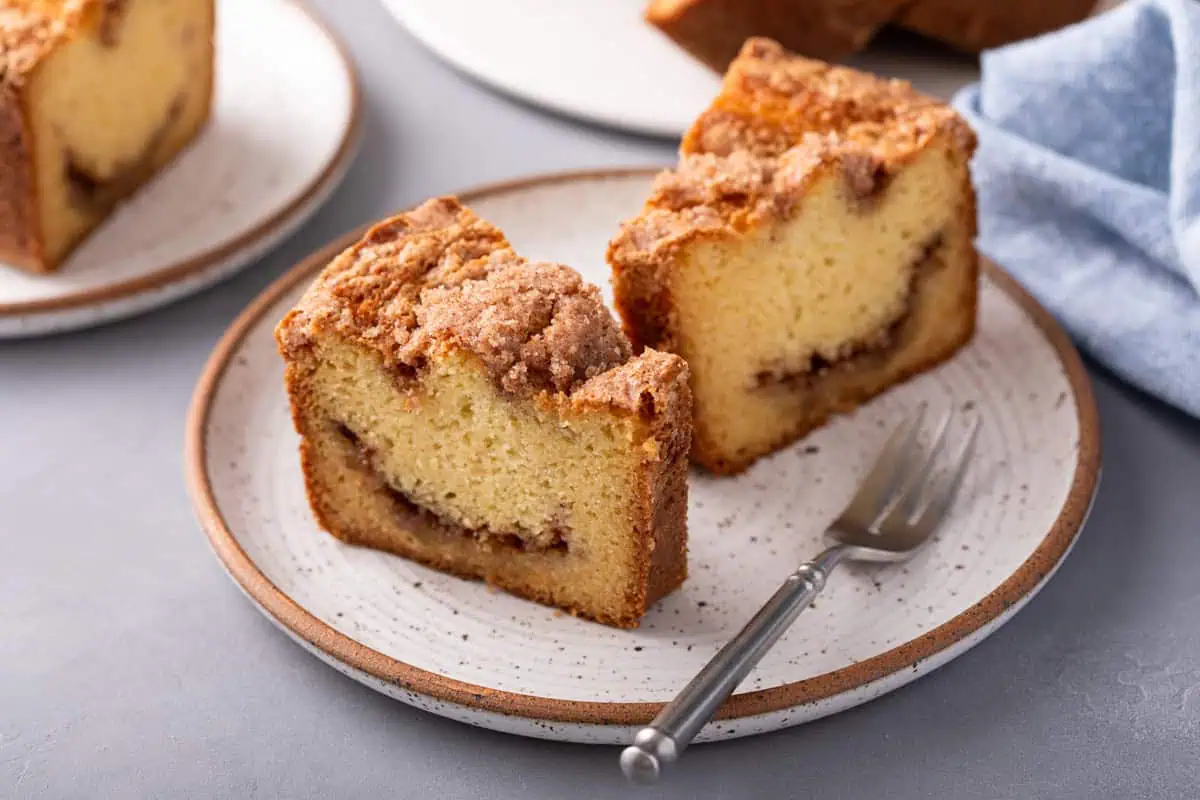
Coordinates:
(196, 264)
(1026, 579)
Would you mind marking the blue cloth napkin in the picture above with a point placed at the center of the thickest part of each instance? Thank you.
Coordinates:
(1088, 175)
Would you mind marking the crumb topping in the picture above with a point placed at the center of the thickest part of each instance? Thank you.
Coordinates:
(439, 275)
(708, 179)
(653, 385)
(779, 121)
(742, 179)
(626, 385)
(706, 193)
(535, 325)
(29, 28)
(771, 98)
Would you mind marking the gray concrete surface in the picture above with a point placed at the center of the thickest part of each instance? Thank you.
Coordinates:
(130, 666)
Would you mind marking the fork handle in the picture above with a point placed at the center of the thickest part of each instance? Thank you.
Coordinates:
(665, 739)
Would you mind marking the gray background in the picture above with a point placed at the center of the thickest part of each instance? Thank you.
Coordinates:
(130, 666)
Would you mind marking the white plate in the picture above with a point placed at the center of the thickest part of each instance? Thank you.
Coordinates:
(600, 62)
(282, 135)
(455, 648)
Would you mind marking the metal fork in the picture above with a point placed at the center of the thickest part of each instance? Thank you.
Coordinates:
(896, 509)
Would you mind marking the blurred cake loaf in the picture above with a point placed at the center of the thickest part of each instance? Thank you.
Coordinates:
(97, 96)
(975, 25)
(482, 414)
(714, 30)
(813, 247)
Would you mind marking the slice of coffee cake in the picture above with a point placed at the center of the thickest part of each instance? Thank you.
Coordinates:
(482, 414)
(813, 247)
(96, 97)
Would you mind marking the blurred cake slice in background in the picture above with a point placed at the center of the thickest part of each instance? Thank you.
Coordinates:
(97, 96)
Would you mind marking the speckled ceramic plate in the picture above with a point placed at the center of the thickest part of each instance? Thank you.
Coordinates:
(455, 648)
(282, 134)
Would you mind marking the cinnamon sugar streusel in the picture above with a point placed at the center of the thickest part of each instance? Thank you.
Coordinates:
(779, 121)
(771, 99)
(535, 326)
(708, 194)
(438, 274)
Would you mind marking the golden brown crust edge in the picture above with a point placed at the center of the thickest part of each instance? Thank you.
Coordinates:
(771, 98)
(20, 236)
(713, 30)
(697, 32)
(642, 297)
(663, 405)
(438, 275)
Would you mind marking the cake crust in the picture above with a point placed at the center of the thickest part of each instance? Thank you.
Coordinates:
(771, 99)
(438, 282)
(439, 276)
